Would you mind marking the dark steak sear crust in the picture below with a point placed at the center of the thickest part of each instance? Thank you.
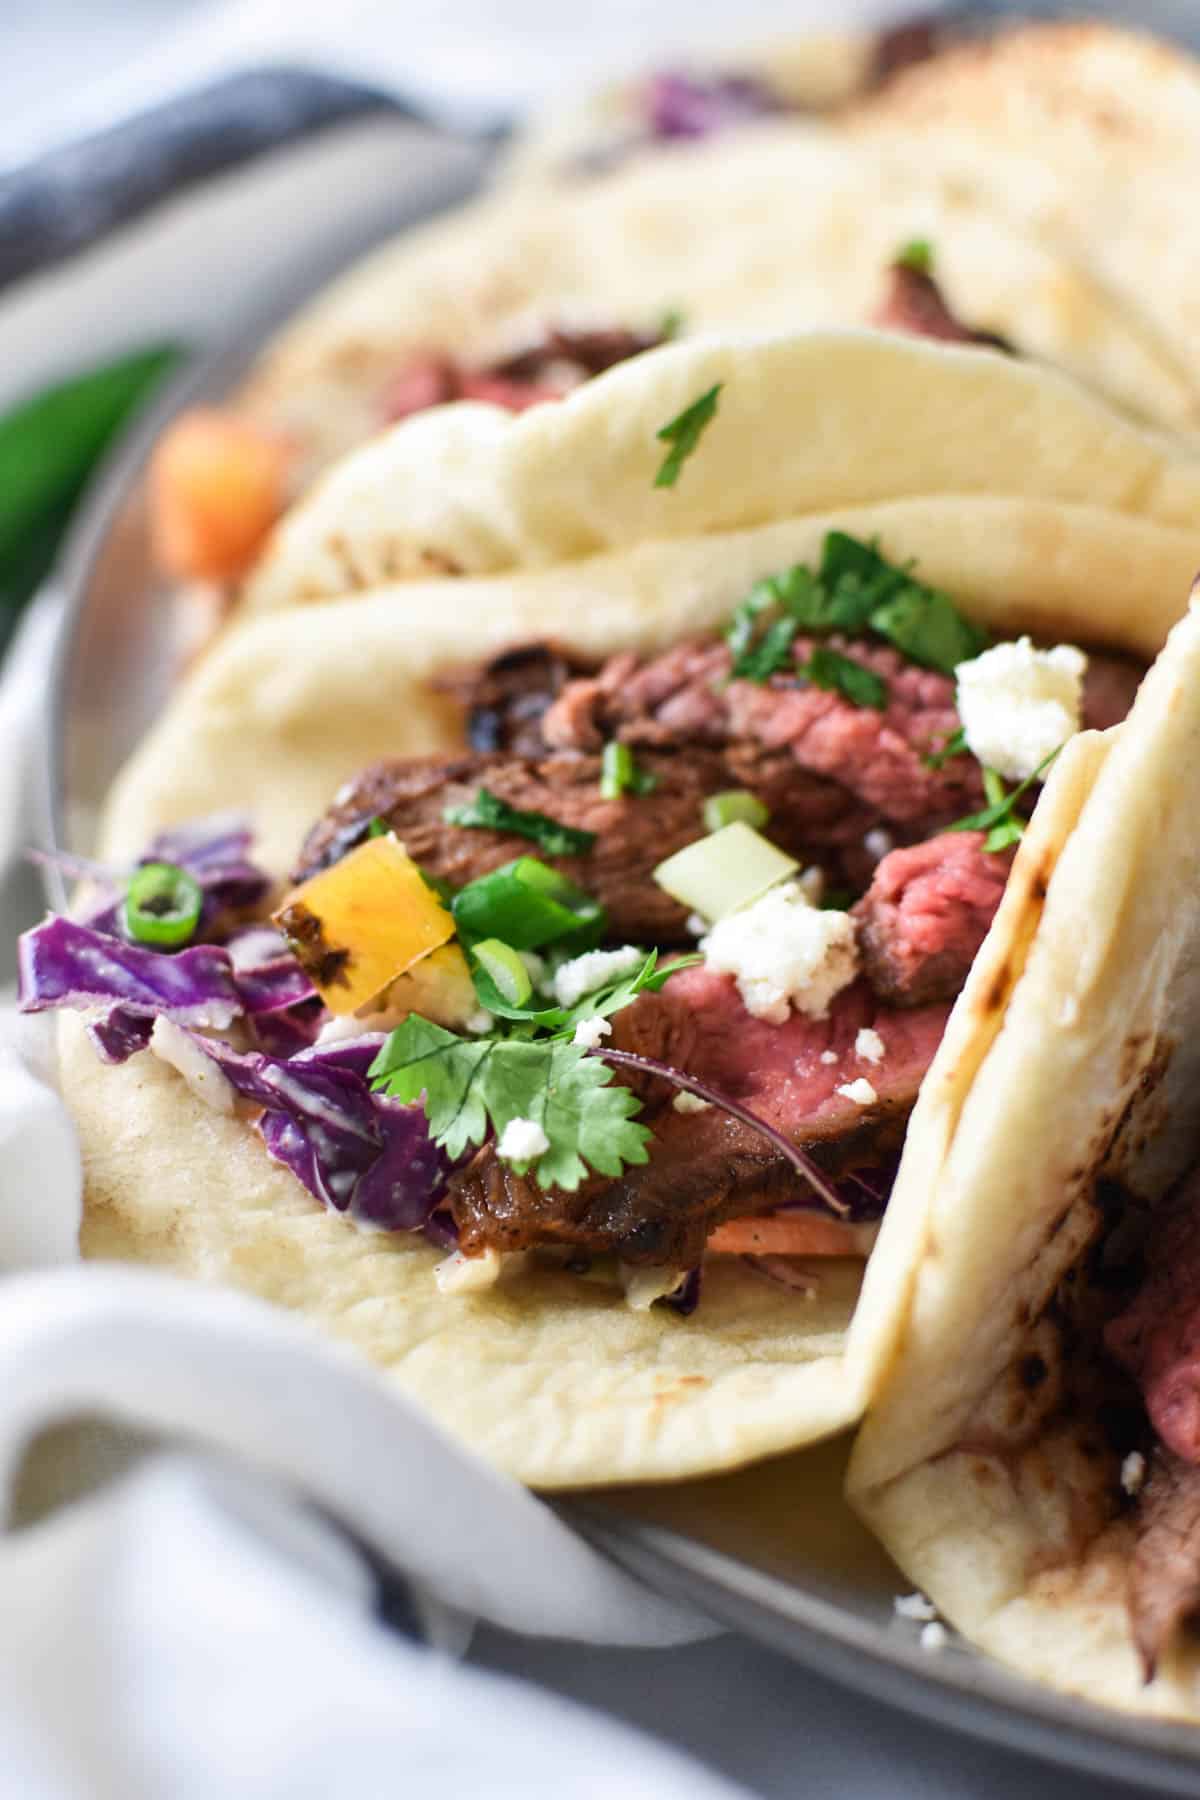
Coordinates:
(925, 915)
(506, 697)
(633, 833)
(706, 1167)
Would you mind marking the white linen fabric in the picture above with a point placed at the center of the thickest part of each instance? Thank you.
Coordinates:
(192, 1634)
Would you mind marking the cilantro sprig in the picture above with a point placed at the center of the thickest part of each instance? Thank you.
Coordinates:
(561, 1021)
(1004, 826)
(471, 1088)
(854, 589)
(528, 1068)
(488, 812)
(683, 433)
(955, 745)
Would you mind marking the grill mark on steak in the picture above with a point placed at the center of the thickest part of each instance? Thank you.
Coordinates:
(1164, 1578)
(810, 818)
(707, 1167)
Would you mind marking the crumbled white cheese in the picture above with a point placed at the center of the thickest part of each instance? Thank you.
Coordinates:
(934, 1636)
(783, 952)
(829, 1056)
(690, 1103)
(1133, 1472)
(915, 1606)
(697, 925)
(459, 1274)
(584, 974)
(1017, 704)
(879, 843)
(522, 1140)
(480, 1022)
(860, 1091)
(590, 1033)
(869, 1045)
(202, 1075)
(644, 1286)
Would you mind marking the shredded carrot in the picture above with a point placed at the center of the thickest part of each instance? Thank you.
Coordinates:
(217, 485)
(791, 1234)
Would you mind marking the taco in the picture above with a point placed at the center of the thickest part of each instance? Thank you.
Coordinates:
(802, 222)
(1031, 1458)
(745, 740)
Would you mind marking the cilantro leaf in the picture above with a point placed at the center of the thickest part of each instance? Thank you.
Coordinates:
(648, 978)
(422, 1058)
(1002, 823)
(855, 589)
(471, 1087)
(573, 1097)
(955, 745)
(840, 674)
(927, 627)
(600, 1004)
(488, 811)
(683, 433)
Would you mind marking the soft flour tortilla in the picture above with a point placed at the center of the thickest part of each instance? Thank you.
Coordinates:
(552, 1378)
(849, 423)
(591, 135)
(979, 1467)
(1082, 135)
(788, 226)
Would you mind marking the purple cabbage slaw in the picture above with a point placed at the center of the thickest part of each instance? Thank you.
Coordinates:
(679, 105)
(360, 1153)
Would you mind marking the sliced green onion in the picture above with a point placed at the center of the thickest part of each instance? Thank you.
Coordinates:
(738, 804)
(378, 828)
(504, 965)
(527, 906)
(162, 906)
(718, 875)
(616, 770)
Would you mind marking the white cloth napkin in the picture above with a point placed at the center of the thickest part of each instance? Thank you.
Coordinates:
(194, 1635)
(184, 1634)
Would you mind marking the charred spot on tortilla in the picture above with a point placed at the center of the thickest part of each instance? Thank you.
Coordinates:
(305, 932)
(1032, 1371)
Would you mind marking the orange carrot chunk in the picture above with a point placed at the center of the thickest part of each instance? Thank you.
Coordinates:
(791, 1234)
(217, 485)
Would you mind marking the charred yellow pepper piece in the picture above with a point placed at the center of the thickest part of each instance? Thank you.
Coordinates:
(358, 926)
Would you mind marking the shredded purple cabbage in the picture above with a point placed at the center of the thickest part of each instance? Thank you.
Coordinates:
(120, 1033)
(216, 853)
(61, 963)
(688, 106)
(357, 1152)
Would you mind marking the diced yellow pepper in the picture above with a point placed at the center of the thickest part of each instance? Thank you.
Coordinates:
(359, 925)
(439, 987)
